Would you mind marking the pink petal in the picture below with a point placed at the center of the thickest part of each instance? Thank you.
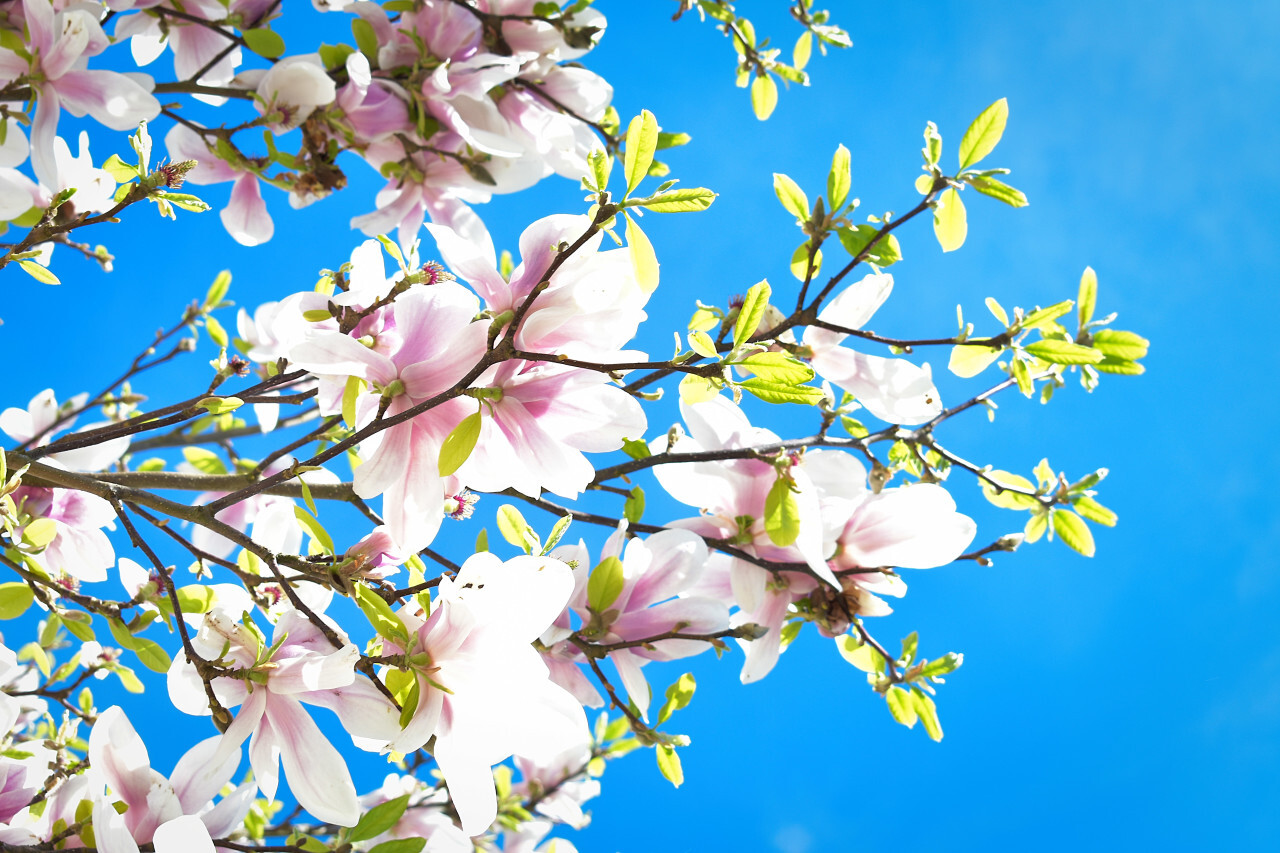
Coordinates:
(245, 217)
(317, 774)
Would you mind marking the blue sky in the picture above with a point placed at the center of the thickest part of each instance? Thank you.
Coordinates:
(1128, 700)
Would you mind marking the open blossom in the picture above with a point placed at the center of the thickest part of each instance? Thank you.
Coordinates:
(245, 217)
(79, 549)
(427, 343)
(592, 306)
(732, 495)
(175, 814)
(657, 574)
(60, 44)
(299, 666)
(40, 422)
(892, 389)
(539, 423)
(471, 658)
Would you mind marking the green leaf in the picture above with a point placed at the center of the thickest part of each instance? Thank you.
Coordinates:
(764, 97)
(605, 584)
(1044, 316)
(120, 171)
(39, 273)
(314, 529)
(458, 444)
(1036, 527)
(751, 312)
(669, 764)
(928, 713)
(380, 615)
(1120, 366)
(401, 845)
(151, 654)
(885, 252)
(1120, 344)
(775, 392)
(698, 389)
(687, 200)
(636, 448)
(901, 706)
(1088, 295)
(557, 532)
(864, 657)
(950, 225)
(601, 164)
(366, 39)
(1063, 352)
(839, 179)
(350, 396)
(1094, 511)
(220, 405)
(334, 56)
(944, 665)
(265, 43)
(378, 819)
(641, 142)
(800, 262)
(781, 367)
(968, 360)
(1008, 499)
(1072, 530)
(643, 260)
(39, 533)
(515, 529)
(218, 290)
(679, 695)
(984, 134)
(781, 513)
(792, 197)
(802, 51)
(633, 508)
(216, 333)
(989, 186)
(15, 598)
(195, 598)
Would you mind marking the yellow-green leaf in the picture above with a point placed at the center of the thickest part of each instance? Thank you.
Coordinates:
(764, 96)
(643, 260)
(15, 598)
(1088, 295)
(1072, 529)
(985, 132)
(950, 225)
(968, 360)
(39, 273)
(458, 444)
(641, 142)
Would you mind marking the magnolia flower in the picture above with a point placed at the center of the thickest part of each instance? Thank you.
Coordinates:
(79, 549)
(299, 666)
(469, 658)
(892, 389)
(657, 574)
(732, 495)
(44, 418)
(245, 217)
(428, 343)
(294, 87)
(542, 418)
(174, 814)
(60, 44)
(592, 306)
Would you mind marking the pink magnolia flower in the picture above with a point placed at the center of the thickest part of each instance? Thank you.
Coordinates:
(245, 217)
(79, 549)
(545, 416)
(174, 814)
(658, 574)
(299, 666)
(892, 389)
(374, 108)
(428, 343)
(60, 44)
(592, 306)
(469, 658)
(732, 496)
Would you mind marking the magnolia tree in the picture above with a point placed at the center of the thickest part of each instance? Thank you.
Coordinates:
(464, 389)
